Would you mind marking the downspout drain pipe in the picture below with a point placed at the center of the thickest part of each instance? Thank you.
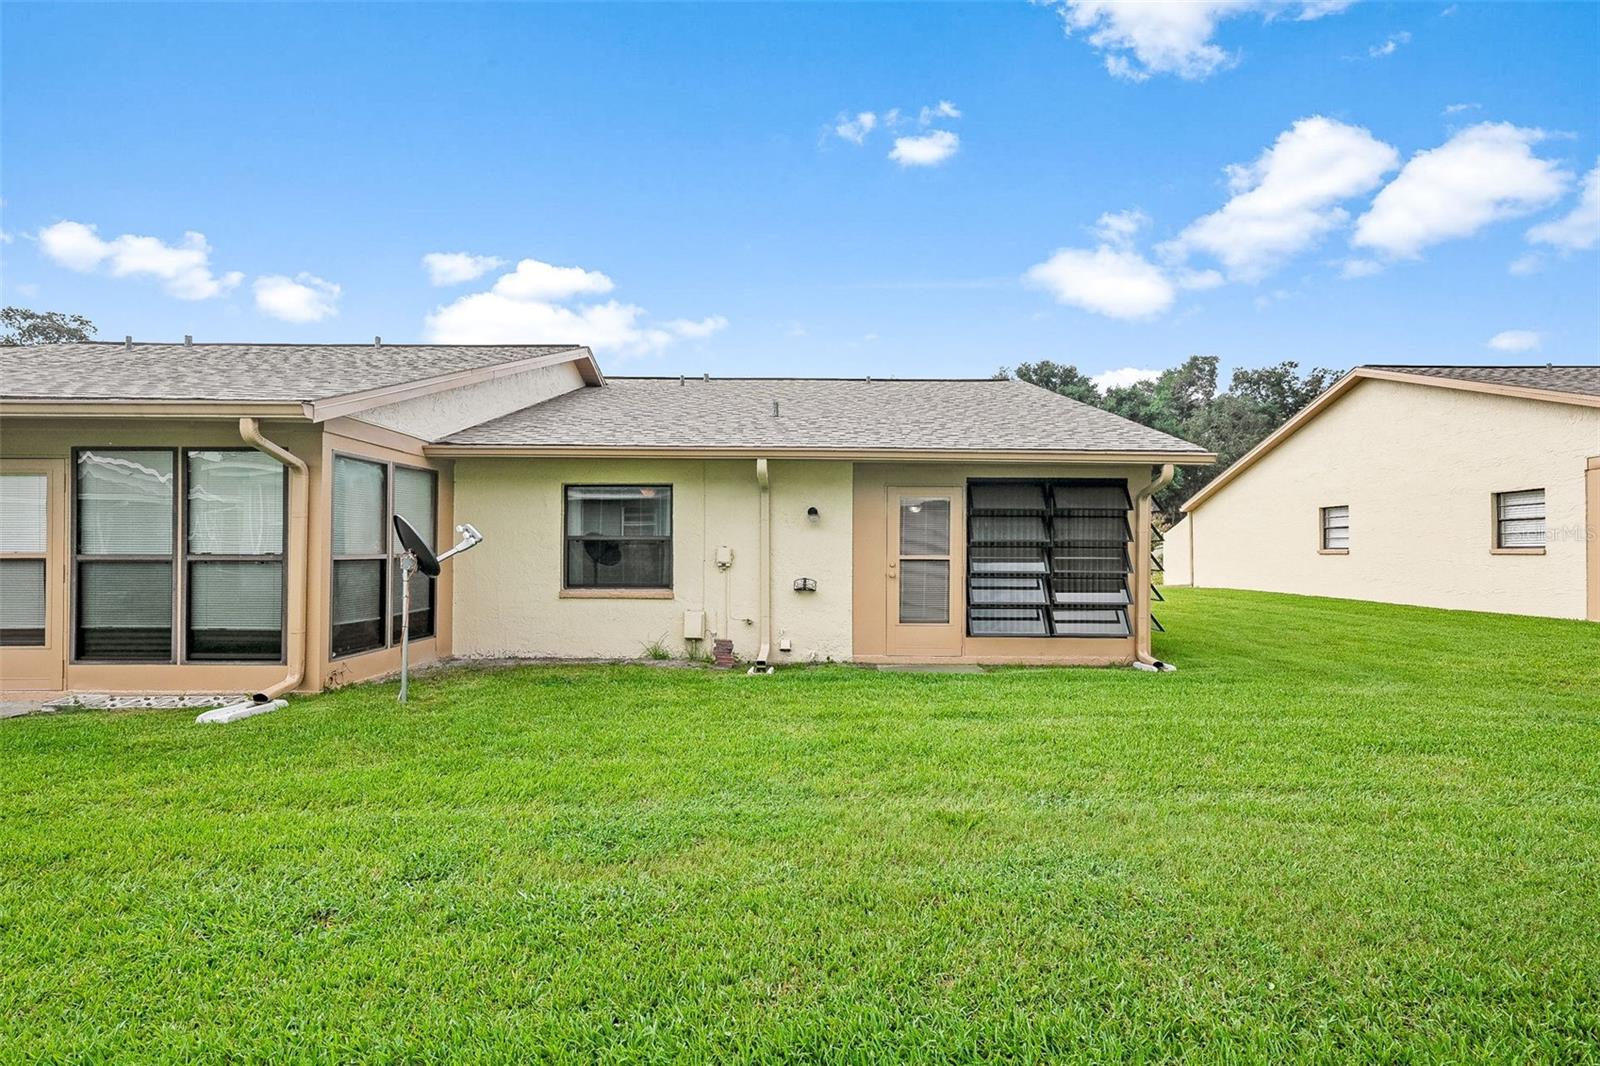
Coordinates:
(1142, 657)
(764, 569)
(297, 531)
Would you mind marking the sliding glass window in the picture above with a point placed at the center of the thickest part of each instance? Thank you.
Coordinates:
(126, 532)
(235, 555)
(360, 554)
(415, 500)
(24, 544)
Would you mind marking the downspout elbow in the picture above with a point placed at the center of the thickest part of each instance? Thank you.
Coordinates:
(297, 533)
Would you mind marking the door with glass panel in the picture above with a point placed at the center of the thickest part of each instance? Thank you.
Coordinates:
(32, 574)
(925, 538)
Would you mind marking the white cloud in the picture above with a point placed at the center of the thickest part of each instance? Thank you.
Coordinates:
(685, 327)
(855, 130)
(302, 298)
(943, 109)
(530, 305)
(1390, 45)
(535, 280)
(1116, 282)
(1482, 175)
(1198, 279)
(453, 268)
(1144, 37)
(929, 149)
(1288, 197)
(1123, 377)
(184, 270)
(1120, 227)
(1515, 340)
(5, 238)
(1360, 268)
(1456, 109)
(1579, 230)
(1523, 265)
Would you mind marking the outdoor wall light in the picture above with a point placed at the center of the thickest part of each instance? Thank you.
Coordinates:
(805, 584)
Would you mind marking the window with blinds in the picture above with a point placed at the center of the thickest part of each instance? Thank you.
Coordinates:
(163, 548)
(366, 552)
(1519, 519)
(415, 500)
(618, 536)
(24, 540)
(1048, 558)
(1336, 528)
(126, 524)
(235, 544)
(361, 554)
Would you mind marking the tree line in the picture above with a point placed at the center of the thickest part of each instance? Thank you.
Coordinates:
(1184, 402)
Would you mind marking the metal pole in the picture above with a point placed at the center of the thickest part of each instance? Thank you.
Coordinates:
(408, 564)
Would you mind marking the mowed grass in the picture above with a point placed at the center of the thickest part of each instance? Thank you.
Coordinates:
(1341, 832)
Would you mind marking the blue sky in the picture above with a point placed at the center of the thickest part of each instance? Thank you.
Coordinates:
(1333, 184)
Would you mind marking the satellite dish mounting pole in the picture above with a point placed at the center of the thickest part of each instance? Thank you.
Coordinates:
(408, 566)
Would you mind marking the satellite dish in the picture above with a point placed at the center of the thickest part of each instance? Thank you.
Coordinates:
(416, 556)
(412, 542)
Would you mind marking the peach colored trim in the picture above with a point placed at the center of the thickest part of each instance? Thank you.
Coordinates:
(178, 409)
(867, 455)
(1516, 551)
(43, 668)
(1348, 382)
(355, 402)
(616, 594)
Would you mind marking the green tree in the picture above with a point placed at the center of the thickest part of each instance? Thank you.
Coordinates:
(1064, 378)
(22, 326)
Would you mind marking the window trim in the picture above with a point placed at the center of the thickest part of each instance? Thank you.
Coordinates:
(1495, 547)
(281, 558)
(388, 556)
(620, 592)
(1322, 529)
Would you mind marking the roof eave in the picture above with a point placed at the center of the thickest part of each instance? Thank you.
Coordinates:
(461, 451)
(66, 407)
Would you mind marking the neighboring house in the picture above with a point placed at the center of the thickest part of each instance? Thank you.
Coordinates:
(216, 517)
(1468, 487)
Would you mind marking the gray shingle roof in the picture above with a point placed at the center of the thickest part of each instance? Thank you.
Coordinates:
(247, 373)
(1583, 380)
(819, 413)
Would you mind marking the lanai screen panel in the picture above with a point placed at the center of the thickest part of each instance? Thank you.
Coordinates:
(1048, 558)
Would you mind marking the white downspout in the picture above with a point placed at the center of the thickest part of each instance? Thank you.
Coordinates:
(297, 529)
(1142, 656)
(764, 567)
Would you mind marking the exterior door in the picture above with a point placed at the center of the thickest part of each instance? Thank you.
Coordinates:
(926, 570)
(33, 587)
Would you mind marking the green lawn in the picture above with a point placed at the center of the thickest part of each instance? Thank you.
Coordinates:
(1342, 831)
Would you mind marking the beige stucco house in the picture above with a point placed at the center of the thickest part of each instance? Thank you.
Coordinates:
(216, 518)
(1467, 487)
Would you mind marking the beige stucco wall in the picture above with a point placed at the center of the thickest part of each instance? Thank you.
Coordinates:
(442, 413)
(1417, 466)
(1175, 550)
(509, 598)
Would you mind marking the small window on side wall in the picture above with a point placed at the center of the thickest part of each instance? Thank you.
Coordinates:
(618, 537)
(1519, 520)
(1336, 528)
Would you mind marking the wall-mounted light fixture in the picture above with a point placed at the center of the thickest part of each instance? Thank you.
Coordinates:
(805, 584)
